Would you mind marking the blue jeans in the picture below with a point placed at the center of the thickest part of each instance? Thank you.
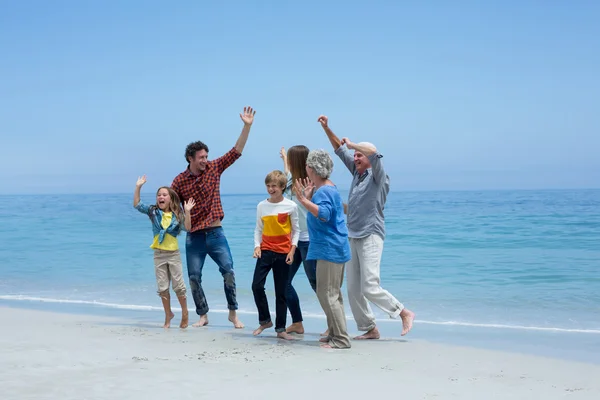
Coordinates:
(310, 267)
(212, 242)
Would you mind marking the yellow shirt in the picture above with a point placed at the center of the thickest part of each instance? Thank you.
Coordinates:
(169, 242)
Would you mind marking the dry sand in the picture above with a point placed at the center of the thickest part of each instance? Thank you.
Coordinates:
(60, 356)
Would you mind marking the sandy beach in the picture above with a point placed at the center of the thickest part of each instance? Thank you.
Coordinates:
(48, 355)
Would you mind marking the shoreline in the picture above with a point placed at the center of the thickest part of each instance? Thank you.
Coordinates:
(26, 299)
(551, 343)
(66, 356)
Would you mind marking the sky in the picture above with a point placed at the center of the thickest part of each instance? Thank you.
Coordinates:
(462, 95)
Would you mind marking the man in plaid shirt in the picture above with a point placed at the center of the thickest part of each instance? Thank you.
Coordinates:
(201, 181)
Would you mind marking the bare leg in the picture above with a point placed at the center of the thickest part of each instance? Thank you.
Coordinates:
(184, 312)
(165, 297)
(202, 322)
(234, 320)
(261, 328)
(407, 320)
(284, 335)
(296, 327)
(372, 334)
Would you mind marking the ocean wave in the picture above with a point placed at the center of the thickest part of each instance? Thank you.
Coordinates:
(138, 307)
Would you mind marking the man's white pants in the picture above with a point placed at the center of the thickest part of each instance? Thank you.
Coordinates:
(364, 283)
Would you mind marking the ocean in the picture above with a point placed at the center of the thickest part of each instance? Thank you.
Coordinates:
(507, 270)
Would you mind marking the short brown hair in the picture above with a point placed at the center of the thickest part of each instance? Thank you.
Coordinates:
(277, 177)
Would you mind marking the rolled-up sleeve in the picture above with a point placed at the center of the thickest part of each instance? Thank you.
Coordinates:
(226, 160)
(377, 167)
(325, 208)
(348, 159)
(143, 208)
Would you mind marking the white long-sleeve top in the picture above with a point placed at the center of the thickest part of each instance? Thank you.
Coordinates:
(277, 227)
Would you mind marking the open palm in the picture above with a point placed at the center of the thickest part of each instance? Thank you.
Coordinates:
(304, 189)
(141, 180)
(188, 205)
(248, 115)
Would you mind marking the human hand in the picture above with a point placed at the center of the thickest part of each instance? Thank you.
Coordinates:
(256, 252)
(289, 259)
(282, 153)
(348, 143)
(140, 181)
(188, 205)
(304, 189)
(323, 120)
(248, 115)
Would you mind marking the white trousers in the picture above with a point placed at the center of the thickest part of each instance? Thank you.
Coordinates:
(363, 276)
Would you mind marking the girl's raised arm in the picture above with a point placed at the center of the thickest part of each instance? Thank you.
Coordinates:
(138, 187)
(283, 156)
(187, 207)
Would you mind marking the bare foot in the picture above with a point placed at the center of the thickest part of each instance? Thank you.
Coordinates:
(324, 339)
(203, 321)
(261, 328)
(326, 333)
(296, 327)
(326, 346)
(407, 320)
(184, 320)
(372, 334)
(168, 319)
(234, 320)
(284, 335)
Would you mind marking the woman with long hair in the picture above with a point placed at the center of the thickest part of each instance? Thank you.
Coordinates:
(294, 163)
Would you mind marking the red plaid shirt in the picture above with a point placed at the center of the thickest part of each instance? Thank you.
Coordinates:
(205, 190)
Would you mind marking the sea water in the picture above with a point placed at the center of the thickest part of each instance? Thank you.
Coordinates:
(510, 270)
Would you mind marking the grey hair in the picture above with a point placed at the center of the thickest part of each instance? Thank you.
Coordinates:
(320, 161)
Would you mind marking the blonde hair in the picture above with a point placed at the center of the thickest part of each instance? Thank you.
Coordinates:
(277, 177)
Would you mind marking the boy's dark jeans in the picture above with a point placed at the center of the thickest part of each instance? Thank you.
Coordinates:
(268, 261)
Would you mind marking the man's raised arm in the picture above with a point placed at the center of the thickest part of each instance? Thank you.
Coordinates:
(248, 118)
(335, 141)
(367, 149)
(227, 159)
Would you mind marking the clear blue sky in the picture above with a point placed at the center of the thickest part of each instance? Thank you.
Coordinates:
(456, 95)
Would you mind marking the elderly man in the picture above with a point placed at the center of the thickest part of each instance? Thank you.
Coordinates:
(366, 232)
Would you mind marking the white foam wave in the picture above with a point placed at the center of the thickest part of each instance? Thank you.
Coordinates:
(309, 315)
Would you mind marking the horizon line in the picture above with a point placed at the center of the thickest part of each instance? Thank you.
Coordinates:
(344, 189)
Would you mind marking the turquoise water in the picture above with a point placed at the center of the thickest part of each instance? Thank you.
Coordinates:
(513, 270)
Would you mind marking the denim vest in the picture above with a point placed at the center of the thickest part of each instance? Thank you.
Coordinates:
(156, 215)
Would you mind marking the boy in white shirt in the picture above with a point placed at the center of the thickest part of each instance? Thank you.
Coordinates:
(275, 240)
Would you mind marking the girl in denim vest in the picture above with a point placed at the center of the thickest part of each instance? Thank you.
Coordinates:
(168, 219)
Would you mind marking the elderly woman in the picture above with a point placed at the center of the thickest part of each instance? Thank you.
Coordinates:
(328, 242)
